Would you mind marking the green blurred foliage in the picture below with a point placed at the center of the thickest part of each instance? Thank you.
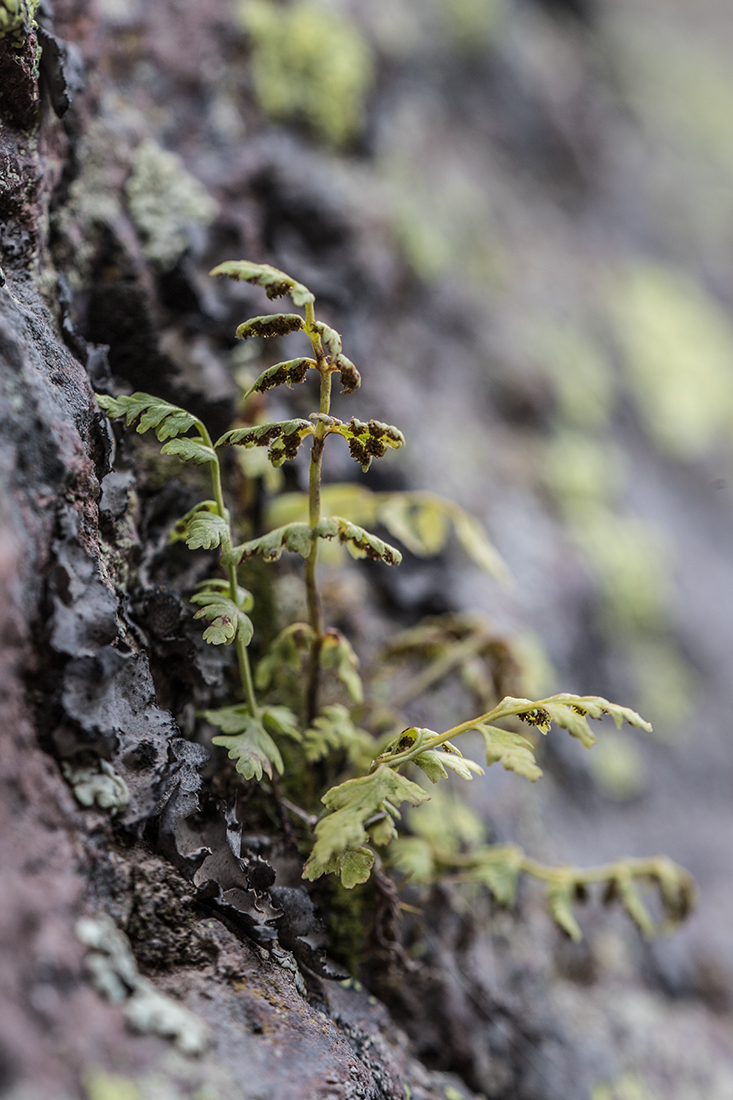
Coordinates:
(309, 64)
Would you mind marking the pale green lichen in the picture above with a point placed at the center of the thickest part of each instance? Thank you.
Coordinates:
(98, 784)
(677, 346)
(17, 18)
(309, 64)
(166, 203)
(114, 974)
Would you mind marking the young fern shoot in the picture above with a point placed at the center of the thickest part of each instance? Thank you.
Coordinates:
(366, 441)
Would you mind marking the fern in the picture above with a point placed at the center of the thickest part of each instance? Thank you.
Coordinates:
(361, 811)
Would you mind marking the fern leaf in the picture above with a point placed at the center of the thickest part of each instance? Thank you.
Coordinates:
(296, 537)
(333, 731)
(227, 620)
(368, 440)
(275, 283)
(201, 528)
(351, 806)
(361, 543)
(279, 719)
(571, 712)
(513, 751)
(560, 895)
(243, 599)
(289, 373)
(274, 324)
(349, 375)
(246, 740)
(283, 439)
(189, 450)
(168, 420)
(337, 652)
(287, 650)
(331, 339)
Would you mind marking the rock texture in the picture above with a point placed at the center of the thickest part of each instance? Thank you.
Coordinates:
(456, 242)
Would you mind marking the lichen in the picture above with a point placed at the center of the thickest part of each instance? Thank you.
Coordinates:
(309, 63)
(677, 346)
(166, 203)
(113, 972)
(97, 783)
(17, 17)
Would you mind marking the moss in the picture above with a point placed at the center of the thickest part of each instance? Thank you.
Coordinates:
(17, 17)
(309, 64)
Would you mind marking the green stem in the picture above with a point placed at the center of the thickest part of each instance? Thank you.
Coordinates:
(315, 615)
(245, 671)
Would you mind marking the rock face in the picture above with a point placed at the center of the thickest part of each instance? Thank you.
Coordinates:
(147, 948)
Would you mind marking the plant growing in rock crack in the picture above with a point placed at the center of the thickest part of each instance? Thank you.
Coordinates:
(361, 811)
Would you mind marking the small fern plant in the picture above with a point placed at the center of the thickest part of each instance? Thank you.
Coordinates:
(361, 812)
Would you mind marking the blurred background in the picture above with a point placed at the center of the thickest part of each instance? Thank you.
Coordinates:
(519, 213)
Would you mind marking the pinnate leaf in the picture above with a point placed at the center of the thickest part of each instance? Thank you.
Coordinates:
(351, 805)
(283, 439)
(434, 762)
(217, 585)
(330, 338)
(274, 324)
(571, 712)
(560, 894)
(247, 742)
(497, 866)
(337, 652)
(286, 651)
(168, 420)
(333, 731)
(275, 283)
(227, 620)
(349, 375)
(368, 439)
(279, 719)
(296, 537)
(288, 373)
(512, 750)
(189, 450)
(361, 543)
(202, 528)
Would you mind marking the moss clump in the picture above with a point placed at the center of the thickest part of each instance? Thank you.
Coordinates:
(308, 64)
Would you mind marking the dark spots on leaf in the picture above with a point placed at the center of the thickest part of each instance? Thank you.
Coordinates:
(349, 375)
(280, 324)
(406, 741)
(579, 710)
(272, 379)
(358, 451)
(538, 717)
(276, 290)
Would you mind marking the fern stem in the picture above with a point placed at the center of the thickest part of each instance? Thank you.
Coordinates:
(245, 671)
(315, 614)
